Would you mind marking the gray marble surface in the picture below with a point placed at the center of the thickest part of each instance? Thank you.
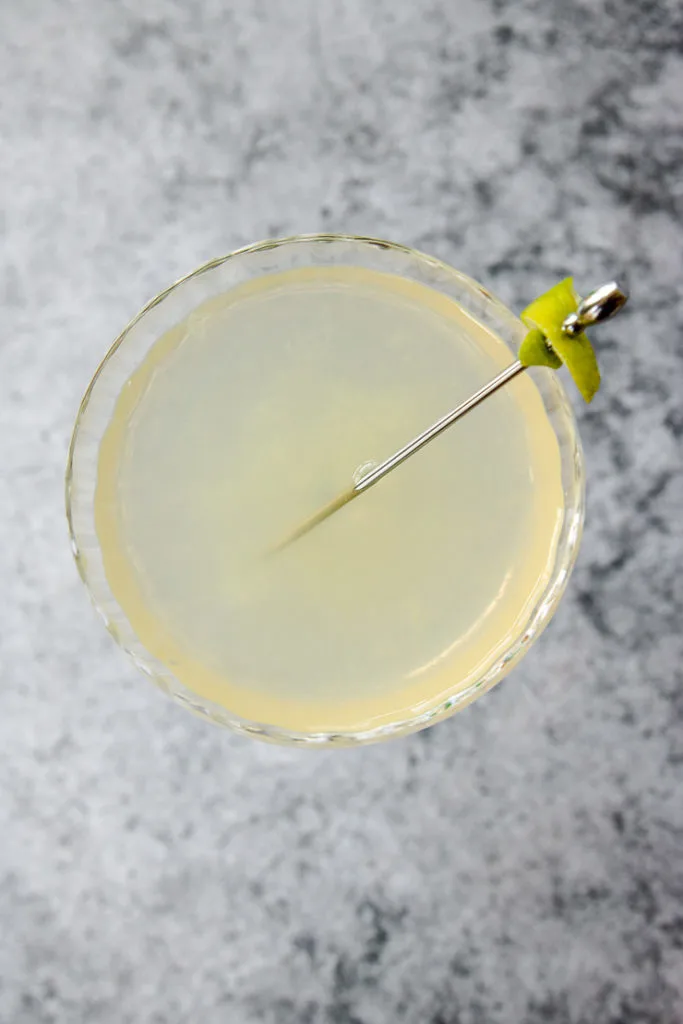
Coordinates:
(519, 863)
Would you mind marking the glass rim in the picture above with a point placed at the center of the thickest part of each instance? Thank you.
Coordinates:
(535, 621)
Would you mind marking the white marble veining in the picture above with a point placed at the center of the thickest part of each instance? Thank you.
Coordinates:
(518, 864)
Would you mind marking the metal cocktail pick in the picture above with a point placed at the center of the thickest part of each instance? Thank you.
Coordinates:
(600, 305)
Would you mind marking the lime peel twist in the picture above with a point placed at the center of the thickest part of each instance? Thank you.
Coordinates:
(547, 344)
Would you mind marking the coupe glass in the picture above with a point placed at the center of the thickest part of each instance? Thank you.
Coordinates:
(219, 276)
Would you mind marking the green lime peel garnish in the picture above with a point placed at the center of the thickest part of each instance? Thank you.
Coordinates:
(548, 342)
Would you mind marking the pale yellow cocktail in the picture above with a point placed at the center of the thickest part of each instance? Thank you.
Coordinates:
(257, 409)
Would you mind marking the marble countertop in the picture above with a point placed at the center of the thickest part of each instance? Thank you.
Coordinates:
(519, 863)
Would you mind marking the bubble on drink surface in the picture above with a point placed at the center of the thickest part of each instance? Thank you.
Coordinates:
(363, 470)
